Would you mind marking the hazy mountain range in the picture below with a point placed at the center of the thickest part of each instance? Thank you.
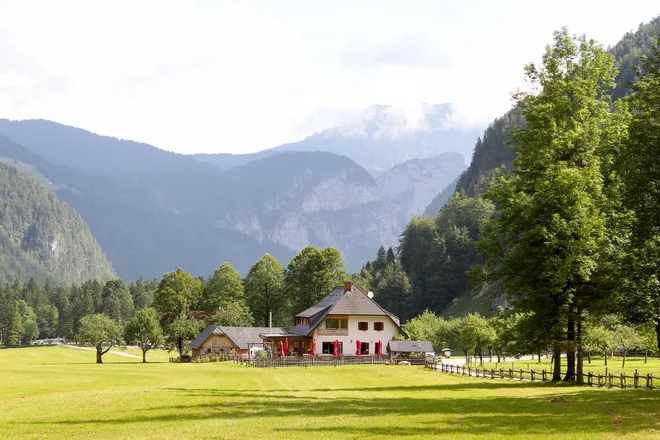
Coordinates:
(153, 211)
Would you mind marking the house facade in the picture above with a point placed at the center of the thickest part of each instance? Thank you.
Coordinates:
(346, 315)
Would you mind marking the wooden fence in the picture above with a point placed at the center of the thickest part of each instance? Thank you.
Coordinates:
(310, 361)
(637, 381)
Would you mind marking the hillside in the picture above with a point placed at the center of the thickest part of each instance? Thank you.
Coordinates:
(43, 238)
(191, 215)
(379, 138)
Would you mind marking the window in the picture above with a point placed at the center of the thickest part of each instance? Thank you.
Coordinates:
(378, 326)
(329, 348)
(334, 324)
(364, 348)
(364, 326)
(302, 320)
(299, 346)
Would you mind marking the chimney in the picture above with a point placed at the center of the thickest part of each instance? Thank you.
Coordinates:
(347, 286)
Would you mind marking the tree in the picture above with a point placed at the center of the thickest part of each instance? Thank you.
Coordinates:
(549, 241)
(638, 164)
(47, 320)
(312, 274)
(177, 293)
(393, 291)
(145, 331)
(477, 333)
(264, 292)
(626, 337)
(101, 332)
(181, 330)
(425, 327)
(29, 323)
(15, 329)
(223, 298)
(117, 301)
(598, 339)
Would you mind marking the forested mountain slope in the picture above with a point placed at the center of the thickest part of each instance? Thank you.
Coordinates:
(43, 238)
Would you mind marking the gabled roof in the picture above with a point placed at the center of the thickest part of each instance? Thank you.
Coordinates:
(240, 336)
(411, 346)
(338, 302)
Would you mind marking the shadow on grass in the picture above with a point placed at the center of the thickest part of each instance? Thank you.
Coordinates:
(584, 411)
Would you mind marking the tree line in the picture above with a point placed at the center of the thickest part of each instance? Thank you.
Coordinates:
(173, 310)
(508, 334)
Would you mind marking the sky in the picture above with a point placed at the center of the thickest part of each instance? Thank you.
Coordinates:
(242, 76)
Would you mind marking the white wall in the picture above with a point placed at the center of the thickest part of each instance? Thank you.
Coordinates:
(371, 336)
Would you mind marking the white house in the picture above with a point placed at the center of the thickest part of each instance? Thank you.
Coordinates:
(346, 315)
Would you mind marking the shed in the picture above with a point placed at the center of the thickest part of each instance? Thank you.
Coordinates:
(215, 340)
(407, 350)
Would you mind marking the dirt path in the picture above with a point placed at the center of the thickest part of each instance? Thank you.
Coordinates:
(113, 352)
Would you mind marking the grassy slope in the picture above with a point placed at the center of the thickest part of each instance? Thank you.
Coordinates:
(56, 392)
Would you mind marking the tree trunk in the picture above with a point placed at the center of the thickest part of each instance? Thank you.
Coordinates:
(623, 364)
(589, 356)
(481, 356)
(580, 356)
(570, 350)
(180, 343)
(556, 359)
(539, 357)
(606, 357)
(144, 356)
(99, 355)
(498, 357)
(657, 332)
(646, 356)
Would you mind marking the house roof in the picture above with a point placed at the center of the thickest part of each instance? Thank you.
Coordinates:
(338, 302)
(411, 346)
(240, 336)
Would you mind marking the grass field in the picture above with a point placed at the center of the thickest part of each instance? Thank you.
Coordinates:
(597, 365)
(58, 392)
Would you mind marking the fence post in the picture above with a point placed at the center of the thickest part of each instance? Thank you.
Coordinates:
(623, 380)
(521, 374)
(533, 372)
(636, 380)
(501, 373)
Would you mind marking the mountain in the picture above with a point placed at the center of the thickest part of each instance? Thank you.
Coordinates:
(41, 237)
(146, 223)
(328, 200)
(377, 139)
(152, 212)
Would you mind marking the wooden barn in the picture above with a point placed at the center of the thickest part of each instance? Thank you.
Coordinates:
(214, 340)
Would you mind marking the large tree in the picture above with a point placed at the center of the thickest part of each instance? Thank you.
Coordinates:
(178, 292)
(264, 292)
(312, 274)
(145, 331)
(639, 165)
(477, 333)
(100, 331)
(547, 243)
(223, 298)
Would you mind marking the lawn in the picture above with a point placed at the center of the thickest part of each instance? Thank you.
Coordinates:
(58, 392)
(597, 365)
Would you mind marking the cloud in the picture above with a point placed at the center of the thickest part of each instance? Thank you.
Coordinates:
(412, 50)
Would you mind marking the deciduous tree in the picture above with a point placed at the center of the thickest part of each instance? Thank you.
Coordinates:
(101, 332)
(144, 330)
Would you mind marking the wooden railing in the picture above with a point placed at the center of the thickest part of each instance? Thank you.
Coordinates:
(637, 381)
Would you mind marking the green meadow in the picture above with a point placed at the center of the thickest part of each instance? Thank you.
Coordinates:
(59, 392)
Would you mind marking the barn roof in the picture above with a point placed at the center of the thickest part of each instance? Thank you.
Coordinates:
(240, 336)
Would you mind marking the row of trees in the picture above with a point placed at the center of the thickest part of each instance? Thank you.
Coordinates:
(103, 314)
(510, 334)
